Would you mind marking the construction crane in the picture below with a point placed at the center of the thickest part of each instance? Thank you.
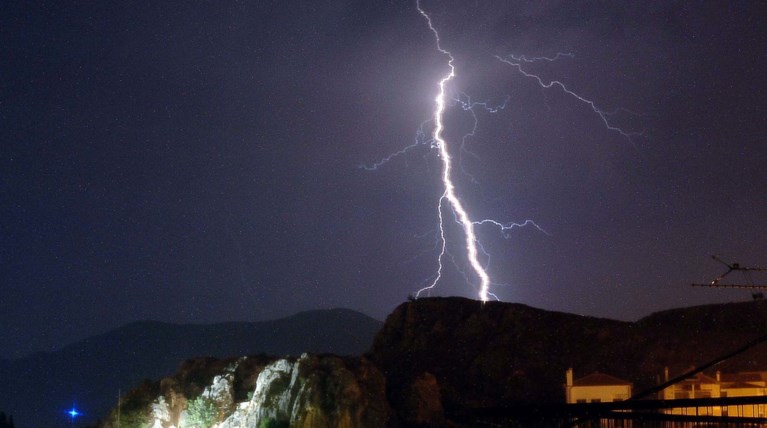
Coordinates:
(731, 268)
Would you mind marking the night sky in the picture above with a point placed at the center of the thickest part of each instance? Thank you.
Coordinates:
(200, 161)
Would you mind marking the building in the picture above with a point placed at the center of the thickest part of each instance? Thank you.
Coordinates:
(696, 386)
(744, 384)
(595, 387)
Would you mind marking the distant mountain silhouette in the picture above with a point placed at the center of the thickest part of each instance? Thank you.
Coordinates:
(38, 389)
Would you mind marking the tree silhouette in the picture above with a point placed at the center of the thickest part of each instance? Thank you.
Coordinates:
(6, 422)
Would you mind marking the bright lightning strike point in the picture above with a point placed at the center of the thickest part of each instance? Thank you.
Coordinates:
(450, 195)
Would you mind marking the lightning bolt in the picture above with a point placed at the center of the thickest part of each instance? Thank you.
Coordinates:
(462, 217)
(449, 197)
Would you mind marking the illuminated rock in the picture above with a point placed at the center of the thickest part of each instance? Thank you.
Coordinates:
(315, 391)
(160, 412)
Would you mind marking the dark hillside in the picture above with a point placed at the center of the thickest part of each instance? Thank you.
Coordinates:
(485, 355)
(680, 338)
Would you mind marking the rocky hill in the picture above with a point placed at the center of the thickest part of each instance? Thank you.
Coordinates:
(38, 389)
(442, 356)
(493, 354)
(311, 391)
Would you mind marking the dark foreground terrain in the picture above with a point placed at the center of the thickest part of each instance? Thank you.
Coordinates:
(439, 357)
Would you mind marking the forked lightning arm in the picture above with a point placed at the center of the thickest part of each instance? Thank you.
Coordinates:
(516, 61)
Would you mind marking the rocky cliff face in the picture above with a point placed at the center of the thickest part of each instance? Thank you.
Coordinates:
(255, 392)
(315, 391)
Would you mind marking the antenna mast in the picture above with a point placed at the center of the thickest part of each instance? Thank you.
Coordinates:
(731, 268)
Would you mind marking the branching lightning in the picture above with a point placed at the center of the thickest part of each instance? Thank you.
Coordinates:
(420, 140)
(471, 106)
(516, 61)
(436, 140)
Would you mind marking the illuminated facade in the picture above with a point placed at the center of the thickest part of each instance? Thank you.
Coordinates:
(744, 384)
(595, 387)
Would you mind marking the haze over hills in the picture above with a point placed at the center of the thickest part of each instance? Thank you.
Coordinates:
(39, 388)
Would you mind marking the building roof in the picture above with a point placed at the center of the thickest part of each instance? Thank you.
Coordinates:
(741, 385)
(597, 379)
(698, 379)
(741, 377)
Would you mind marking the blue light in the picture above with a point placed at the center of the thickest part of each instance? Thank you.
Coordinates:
(73, 413)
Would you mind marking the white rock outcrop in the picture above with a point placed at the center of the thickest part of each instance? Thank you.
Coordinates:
(312, 392)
